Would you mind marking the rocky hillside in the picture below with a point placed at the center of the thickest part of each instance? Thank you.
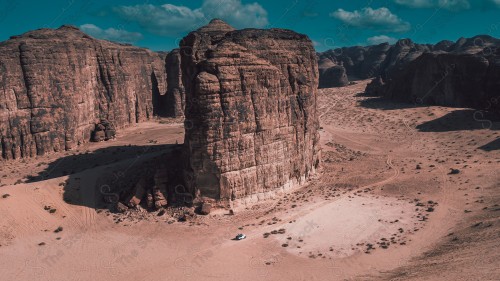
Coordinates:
(466, 74)
(251, 120)
(372, 61)
(58, 86)
(463, 73)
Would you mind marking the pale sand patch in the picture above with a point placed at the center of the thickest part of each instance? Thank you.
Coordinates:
(342, 224)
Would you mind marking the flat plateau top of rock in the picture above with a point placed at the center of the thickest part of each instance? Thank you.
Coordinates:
(216, 25)
(65, 33)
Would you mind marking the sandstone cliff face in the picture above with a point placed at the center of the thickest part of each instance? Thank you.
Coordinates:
(384, 60)
(448, 79)
(251, 120)
(461, 74)
(175, 97)
(56, 84)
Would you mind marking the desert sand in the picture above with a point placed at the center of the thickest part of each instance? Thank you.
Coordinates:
(384, 206)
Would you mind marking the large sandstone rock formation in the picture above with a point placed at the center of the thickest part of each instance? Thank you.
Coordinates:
(461, 74)
(331, 74)
(251, 120)
(55, 85)
(448, 79)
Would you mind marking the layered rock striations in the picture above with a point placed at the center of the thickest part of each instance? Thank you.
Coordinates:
(251, 120)
(56, 85)
(175, 97)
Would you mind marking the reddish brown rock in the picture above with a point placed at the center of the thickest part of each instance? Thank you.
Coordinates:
(175, 97)
(138, 193)
(331, 74)
(55, 85)
(205, 208)
(251, 120)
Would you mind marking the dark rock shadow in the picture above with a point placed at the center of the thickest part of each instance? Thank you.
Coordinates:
(494, 145)
(72, 164)
(95, 183)
(383, 103)
(461, 119)
(368, 95)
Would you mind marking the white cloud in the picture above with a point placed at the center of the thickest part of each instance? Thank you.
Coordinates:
(235, 13)
(111, 34)
(452, 5)
(375, 40)
(380, 19)
(170, 19)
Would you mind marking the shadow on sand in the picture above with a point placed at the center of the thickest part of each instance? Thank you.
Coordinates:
(383, 103)
(460, 120)
(101, 178)
(494, 145)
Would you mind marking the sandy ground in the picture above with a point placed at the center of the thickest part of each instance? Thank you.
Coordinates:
(383, 207)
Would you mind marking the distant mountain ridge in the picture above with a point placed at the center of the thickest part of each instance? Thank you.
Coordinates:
(465, 73)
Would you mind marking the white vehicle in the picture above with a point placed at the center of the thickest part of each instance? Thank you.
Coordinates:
(240, 236)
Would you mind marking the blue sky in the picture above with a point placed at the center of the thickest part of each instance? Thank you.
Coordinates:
(159, 25)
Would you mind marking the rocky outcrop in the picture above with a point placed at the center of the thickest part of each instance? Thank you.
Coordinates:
(104, 130)
(461, 74)
(175, 97)
(331, 75)
(448, 79)
(251, 121)
(56, 85)
(384, 59)
(359, 62)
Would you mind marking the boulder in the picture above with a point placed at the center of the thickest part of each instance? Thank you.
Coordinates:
(205, 208)
(138, 193)
(98, 136)
(121, 208)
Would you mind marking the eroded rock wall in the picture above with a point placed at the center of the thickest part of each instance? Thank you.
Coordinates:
(251, 119)
(56, 84)
(175, 97)
(448, 79)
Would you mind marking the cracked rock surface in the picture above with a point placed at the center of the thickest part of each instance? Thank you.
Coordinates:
(56, 84)
(251, 118)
